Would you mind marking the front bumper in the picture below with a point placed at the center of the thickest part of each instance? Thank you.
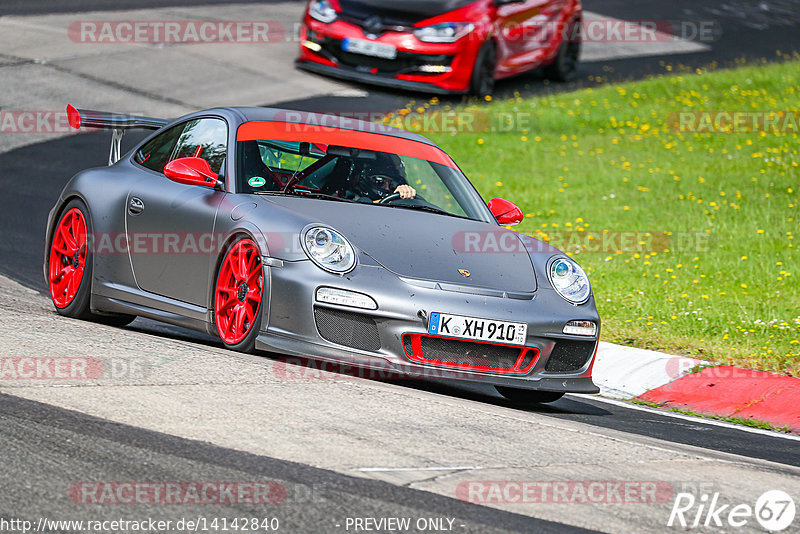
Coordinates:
(403, 304)
(374, 79)
(403, 72)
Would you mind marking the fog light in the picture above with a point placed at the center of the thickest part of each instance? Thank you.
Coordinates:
(435, 69)
(311, 45)
(342, 297)
(581, 328)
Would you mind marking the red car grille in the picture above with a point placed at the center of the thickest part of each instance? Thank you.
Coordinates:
(469, 355)
(404, 63)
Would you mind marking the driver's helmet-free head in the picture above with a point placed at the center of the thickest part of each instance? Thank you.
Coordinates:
(382, 176)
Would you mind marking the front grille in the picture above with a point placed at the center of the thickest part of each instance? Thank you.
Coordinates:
(570, 356)
(350, 329)
(385, 25)
(472, 355)
(403, 63)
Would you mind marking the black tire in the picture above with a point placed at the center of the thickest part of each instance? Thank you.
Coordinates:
(528, 396)
(79, 307)
(564, 67)
(482, 82)
(248, 344)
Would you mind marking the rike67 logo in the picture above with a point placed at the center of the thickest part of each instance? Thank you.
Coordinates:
(774, 510)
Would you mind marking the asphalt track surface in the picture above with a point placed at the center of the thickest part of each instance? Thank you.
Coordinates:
(75, 446)
(72, 446)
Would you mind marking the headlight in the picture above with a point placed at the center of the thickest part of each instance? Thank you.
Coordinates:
(448, 32)
(569, 280)
(323, 11)
(329, 249)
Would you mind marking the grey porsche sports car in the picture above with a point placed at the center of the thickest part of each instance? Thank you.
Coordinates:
(324, 237)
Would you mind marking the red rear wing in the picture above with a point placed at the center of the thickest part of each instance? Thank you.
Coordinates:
(118, 122)
(87, 118)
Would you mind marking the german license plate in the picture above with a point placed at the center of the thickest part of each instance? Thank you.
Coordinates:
(442, 324)
(369, 48)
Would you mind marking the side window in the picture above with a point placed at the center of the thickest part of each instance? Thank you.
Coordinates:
(204, 138)
(156, 153)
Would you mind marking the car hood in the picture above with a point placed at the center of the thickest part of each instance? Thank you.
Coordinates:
(425, 246)
(405, 12)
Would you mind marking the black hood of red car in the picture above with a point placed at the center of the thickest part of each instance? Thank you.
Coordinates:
(402, 12)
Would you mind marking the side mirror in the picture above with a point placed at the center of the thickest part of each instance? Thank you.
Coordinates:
(506, 212)
(191, 171)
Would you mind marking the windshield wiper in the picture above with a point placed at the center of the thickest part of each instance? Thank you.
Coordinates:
(431, 209)
(306, 194)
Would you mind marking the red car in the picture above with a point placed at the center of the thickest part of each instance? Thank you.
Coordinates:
(440, 46)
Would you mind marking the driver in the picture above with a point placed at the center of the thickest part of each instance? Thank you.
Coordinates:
(385, 176)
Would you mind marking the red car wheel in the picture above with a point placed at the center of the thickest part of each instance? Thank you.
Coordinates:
(67, 258)
(237, 298)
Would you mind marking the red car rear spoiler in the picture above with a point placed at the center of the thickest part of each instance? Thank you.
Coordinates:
(118, 122)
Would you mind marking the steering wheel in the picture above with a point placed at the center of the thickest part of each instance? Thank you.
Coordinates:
(390, 198)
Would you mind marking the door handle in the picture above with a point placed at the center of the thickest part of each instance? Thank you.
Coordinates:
(136, 206)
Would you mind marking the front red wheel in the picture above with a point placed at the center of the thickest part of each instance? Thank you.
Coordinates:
(67, 258)
(237, 297)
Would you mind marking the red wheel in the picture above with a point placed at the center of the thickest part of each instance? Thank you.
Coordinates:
(67, 258)
(237, 298)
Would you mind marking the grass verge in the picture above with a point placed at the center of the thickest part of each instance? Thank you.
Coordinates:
(689, 238)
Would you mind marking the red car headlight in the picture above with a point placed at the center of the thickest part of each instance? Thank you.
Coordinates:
(323, 11)
(448, 32)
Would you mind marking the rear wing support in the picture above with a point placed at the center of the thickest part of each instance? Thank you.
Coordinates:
(116, 122)
(116, 146)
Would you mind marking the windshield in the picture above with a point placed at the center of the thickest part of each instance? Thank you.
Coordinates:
(357, 175)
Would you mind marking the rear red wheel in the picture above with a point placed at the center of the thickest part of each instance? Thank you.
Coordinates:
(68, 257)
(70, 265)
(237, 297)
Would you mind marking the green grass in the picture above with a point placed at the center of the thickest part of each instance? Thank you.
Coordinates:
(721, 279)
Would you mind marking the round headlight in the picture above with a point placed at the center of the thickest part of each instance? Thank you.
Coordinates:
(329, 249)
(569, 280)
(323, 11)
